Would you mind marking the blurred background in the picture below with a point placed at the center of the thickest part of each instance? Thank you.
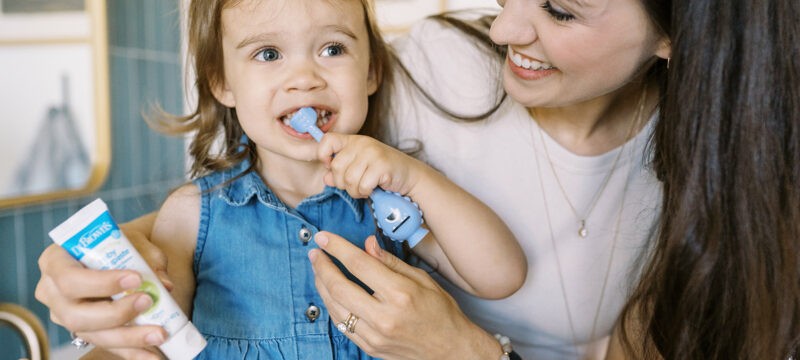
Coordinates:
(116, 156)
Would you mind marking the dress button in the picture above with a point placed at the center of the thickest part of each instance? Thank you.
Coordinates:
(312, 313)
(305, 235)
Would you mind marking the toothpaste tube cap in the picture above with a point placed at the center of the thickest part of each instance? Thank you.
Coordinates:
(186, 343)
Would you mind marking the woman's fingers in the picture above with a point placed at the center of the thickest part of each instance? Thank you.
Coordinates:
(104, 314)
(123, 353)
(72, 280)
(125, 337)
(153, 255)
(337, 290)
(384, 274)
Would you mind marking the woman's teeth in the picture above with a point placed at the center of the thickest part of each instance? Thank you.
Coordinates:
(529, 64)
(323, 116)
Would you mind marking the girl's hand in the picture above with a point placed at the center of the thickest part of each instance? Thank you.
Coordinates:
(79, 299)
(362, 163)
(409, 316)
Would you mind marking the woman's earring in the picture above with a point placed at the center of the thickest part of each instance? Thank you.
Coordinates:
(668, 59)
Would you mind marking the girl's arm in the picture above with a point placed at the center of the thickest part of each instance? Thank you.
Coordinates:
(468, 242)
(175, 231)
(470, 245)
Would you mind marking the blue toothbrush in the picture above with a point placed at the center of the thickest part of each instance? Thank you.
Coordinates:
(398, 217)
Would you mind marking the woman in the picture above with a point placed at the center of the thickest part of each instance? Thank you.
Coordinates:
(562, 161)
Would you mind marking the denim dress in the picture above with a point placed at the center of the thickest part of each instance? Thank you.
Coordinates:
(255, 296)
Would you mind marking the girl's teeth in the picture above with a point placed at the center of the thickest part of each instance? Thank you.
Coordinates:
(323, 117)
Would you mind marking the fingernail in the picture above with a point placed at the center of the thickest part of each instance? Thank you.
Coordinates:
(312, 255)
(130, 282)
(162, 276)
(154, 338)
(143, 303)
(321, 239)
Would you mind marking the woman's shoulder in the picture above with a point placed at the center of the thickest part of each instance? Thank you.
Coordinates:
(438, 42)
(457, 70)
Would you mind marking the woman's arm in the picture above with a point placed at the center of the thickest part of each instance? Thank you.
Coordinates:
(407, 317)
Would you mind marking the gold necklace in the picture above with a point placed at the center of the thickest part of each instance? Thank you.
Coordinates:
(583, 231)
(558, 260)
(636, 119)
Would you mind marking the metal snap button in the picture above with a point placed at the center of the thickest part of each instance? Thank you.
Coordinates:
(312, 312)
(304, 235)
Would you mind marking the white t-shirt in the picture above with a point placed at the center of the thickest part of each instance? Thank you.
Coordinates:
(496, 161)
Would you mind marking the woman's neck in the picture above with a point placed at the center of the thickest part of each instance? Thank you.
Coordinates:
(601, 124)
(289, 179)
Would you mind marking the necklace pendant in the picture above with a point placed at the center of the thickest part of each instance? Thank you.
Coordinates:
(582, 231)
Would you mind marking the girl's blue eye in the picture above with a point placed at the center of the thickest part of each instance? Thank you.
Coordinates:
(333, 50)
(268, 54)
(557, 14)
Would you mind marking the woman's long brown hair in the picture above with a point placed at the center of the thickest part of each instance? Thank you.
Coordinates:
(211, 117)
(724, 282)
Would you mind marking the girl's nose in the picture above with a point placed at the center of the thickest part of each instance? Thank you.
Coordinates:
(304, 76)
(513, 26)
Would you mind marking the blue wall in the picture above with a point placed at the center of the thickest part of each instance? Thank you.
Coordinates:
(145, 68)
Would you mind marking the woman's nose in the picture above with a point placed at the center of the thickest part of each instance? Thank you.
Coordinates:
(513, 26)
(304, 76)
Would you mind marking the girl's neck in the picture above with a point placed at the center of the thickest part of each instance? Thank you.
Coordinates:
(602, 124)
(289, 179)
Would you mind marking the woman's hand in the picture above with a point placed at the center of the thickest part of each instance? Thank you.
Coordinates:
(409, 316)
(79, 299)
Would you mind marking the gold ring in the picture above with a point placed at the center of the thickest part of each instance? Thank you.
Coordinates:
(351, 323)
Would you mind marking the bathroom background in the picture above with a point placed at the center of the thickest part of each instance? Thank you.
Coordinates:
(145, 67)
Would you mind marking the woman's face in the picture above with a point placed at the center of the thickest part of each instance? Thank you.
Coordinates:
(565, 52)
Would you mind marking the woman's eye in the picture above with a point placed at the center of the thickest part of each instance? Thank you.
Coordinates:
(268, 54)
(557, 13)
(333, 50)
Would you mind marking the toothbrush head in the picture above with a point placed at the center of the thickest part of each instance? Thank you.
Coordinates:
(305, 121)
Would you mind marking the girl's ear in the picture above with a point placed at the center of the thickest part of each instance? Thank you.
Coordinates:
(223, 94)
(373, 79)
(664, 49)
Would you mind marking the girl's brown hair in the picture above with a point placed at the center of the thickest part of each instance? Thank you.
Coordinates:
(210, 117)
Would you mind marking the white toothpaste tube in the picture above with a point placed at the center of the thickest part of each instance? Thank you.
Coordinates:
(93, 237)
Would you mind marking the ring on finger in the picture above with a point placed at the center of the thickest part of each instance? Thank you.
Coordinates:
(78, 342)
(351, 323)
(342, 327)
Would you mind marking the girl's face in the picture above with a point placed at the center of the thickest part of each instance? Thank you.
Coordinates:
(565, 52)
(281, 55)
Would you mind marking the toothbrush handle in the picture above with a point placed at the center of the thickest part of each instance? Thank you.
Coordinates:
(316, 133)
